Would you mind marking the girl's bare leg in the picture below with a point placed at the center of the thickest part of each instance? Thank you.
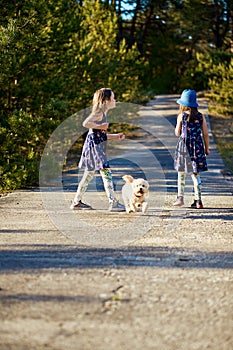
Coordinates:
(83, 184)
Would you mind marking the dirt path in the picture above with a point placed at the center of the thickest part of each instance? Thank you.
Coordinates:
(167, 286)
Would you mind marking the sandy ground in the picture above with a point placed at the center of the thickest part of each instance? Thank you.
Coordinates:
(168, 286)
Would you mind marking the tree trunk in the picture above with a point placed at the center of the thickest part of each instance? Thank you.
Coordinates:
(146, 27)
(133, 25)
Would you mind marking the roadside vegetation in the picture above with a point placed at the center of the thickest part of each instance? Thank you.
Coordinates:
(55, 54)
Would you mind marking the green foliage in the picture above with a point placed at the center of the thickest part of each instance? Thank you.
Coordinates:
(201, 36)
(20, 138)
(100, 61)
(213, 73)
(222, 128)
(206, 66)
(221, 88)
(55, 54)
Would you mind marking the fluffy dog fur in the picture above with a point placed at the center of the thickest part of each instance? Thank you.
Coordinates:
(134, 194)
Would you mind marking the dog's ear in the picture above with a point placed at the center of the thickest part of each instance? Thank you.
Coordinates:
(128, 178)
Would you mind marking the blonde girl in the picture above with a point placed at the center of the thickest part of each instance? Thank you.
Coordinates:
(94, 157)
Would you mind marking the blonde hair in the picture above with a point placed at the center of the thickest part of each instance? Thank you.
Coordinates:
(99, 99)
(192, 112)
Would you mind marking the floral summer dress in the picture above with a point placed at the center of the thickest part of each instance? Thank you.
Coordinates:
(94, 149)
(190, 152)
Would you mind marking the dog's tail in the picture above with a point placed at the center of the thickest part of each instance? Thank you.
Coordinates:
(128, 178)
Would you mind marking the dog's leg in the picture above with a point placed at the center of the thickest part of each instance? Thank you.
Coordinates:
(128, 209)
(133, 208)
(127, 204)
(144, 207)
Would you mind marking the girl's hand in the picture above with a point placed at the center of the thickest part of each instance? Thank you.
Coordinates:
(207, 152)
(121, 136)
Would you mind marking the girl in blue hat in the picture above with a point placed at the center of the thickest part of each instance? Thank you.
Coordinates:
(192, 147)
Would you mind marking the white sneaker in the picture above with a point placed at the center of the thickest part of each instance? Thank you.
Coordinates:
(116, 206)
(179, 201)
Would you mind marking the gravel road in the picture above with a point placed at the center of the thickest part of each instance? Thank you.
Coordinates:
(103, 281)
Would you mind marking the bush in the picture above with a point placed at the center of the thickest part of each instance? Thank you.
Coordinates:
(221, 88)
(22, 143)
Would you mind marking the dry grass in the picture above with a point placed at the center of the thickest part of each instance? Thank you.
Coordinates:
(222, 129)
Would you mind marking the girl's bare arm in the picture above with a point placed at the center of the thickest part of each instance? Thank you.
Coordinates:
(205, 133)
(178, 125)
(119, 136)
(90, 122)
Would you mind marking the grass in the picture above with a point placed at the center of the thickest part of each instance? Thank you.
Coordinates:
(222, 129)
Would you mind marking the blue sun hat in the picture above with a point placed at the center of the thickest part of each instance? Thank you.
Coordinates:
(188, 98)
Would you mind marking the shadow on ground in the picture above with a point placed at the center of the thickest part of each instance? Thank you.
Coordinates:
(39, 257)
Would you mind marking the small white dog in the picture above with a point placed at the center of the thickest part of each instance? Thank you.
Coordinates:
(134, 193)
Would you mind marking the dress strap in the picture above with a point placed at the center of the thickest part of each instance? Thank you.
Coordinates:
(104, 119)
